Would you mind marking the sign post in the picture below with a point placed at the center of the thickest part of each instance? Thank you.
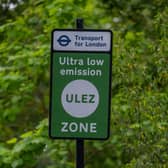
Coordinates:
(79, 142)
(80, 92)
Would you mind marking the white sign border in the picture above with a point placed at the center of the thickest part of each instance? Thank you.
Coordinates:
(70, 33)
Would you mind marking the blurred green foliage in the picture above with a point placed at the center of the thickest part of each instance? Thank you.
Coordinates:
(139, 112)
(134, 14)
(10, 9)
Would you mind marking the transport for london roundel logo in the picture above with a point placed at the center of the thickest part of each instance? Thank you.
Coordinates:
(80, 98)
(64, 40)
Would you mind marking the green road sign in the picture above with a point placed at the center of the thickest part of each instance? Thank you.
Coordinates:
(80, 84)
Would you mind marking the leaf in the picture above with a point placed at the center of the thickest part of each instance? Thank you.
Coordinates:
(27, 134)
(135, 126)
(130, 36)
(12, 141)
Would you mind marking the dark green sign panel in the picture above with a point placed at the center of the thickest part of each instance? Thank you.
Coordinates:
(80, 84)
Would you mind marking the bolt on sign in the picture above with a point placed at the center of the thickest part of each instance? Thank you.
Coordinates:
(81, 64)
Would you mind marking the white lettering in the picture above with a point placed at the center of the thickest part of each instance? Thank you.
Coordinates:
(78, 127)
(70, 61)
(83, 127)
(73, 127)
(93, 127)
(95, 62)
(64, 128)
(81, 72)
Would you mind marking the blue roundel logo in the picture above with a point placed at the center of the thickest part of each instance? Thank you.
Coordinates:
(64, 40)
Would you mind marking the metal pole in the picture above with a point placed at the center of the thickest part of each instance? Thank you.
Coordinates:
(79, 23)
(79, 153)
(79, 142)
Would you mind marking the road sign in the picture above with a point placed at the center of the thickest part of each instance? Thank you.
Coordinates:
(80, 84)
